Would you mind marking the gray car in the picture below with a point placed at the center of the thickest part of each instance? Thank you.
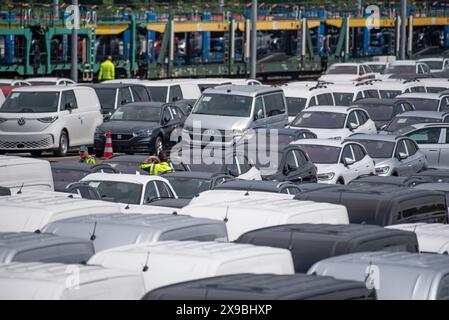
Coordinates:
(413, 117)
(433, 141)
(393, 155)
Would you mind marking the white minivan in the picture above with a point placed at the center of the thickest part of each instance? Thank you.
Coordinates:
(49, 118)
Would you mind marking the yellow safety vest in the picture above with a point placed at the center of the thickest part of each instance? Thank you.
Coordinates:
(107, 71)
(155, 169)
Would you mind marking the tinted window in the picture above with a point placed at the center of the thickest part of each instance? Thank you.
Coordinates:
(424, 104)
(313, 102)
(124, 96)
(378, 149)
(325, 99)
(324, 120)
(176, 112)
(322, 154)
(407, 107)
(417, 89)
(164, 190)
(352, 118)
(158, 94)
(295, 105)
(411, 147)
(401, 148)
(426, 136)
(290, 161)
(359, 96)
(379, 112)
(443, 290)
(175, 93)
(362, 117)
(371, 94)
(359, 153)
(343, 98)
(389, 94)
(107, 98)
(140, 94)
(116, 191)
(447, 136)
(274, 104)
(431, 209)
(68, 97)
(444, 104)
(347, 153)
(244, 165)
(136, 113)
(342, 70)
(291, 190)
(150, 193)
(167, 115)
(300, 157)
(189, 187)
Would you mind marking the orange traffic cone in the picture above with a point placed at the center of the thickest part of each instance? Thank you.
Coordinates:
(108, 152)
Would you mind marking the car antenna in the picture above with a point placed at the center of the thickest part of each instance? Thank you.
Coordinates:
(145, 267)
(175, 213)
(20, 190)
(93, 236)
(226, 217)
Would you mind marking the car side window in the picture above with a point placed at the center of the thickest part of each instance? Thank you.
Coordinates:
(232, 169)
(68, 97)
(444, 103)
(300, 157)
(290, 162)
(313, 102)
(325, 99)
(446, 119)
(361, 70)
(400, 148)
(363, 118)
(359, 96)
(166, 115)
(124, 96)
(347, 153)
(164, 190)
(244, 165)
(150, 192)
(177, 114)
(259, 111)
(352, 118)
(359, 153)
(407, 107)
(426, 136)
(140, 94)
(411, 147)
(274, 104)
(175, 93)
(447, 136)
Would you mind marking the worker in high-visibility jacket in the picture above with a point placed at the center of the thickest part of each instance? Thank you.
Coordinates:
(85, 157)
(156, 165)
(107, 70)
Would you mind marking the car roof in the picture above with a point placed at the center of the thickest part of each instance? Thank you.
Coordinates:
(377, 101)
(254, 185)
(422, 114)
(319, 142)
(404, 63)
(42, 88)
(152, 104)
(242, 90)
(373, 137)
(47, 79)
(344, 87)
(333, 109)
(193, 174)
(133, 178)
(420, 95)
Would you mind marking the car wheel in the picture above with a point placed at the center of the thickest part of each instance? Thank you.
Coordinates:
(36, 153)
(158, 145)
(63, 145)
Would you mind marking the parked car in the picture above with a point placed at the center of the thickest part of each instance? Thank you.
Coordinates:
(436, 64)
(50, 81)
(406, 67)
(394, 275)
(348, 94)
(144, 127)
(391, 88)
(64, 172)
(338, 161)
(378, 67)
(401, 121)
(225, 113)
(20, 173)
(427, 101)
(191, 183)
(310, 243)
(382, 111)
(245, 211)
(177, 261)
(348, 72)
(115, 230)
(130, 164)
(286, 187)
(247, 286)
(49, 118)
(331, 122)
(383, 206)
(49, 281)
(113, 96)
(435, 85)
(393, 155)
(435, 186)
(433, 141)
(172, 90)
(43, 247)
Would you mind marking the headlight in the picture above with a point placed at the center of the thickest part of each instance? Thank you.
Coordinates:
(382, 170)
(143, 133)
(48, 119)
(326, 176)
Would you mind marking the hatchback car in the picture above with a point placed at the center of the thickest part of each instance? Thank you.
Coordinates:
(400, 123)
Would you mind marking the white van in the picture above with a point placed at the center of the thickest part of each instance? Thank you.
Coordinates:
(168, 262)
(49, 118)
(25, 173)
(54, 281)
(245, 211)
(31, 211)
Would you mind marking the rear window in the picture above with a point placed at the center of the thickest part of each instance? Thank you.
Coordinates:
(158, 94)
(430, 209)
(107, 98)
(295, 105)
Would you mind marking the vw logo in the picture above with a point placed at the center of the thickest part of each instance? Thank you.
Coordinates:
(21, 121)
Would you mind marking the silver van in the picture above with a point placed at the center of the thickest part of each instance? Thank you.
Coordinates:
(223, 114)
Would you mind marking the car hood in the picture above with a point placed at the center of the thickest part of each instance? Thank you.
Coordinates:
(128, 126)
(218, 122)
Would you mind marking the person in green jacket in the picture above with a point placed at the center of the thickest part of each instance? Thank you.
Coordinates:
(85, 157)
(107, 70)
(155, 165)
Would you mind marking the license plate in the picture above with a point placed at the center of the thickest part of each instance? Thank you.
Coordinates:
(119, 137)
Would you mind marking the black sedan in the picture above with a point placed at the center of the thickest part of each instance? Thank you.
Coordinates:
(144, 127)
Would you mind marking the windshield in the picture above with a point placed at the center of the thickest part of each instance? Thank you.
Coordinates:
(379, 68)
(295, 105)
(134, 113)
(434, 65)
(378, 149)
(389, 94)
(424, 104)
(342, 70)
(379, 113)
(68, 175)
(31, 102)
(116, 191)
(322, 154)
(343, 98)
(107, 98)
(402, 122)
(224, 105)
(189, 187)
(158, 94)
(401, 69)
(320, 120)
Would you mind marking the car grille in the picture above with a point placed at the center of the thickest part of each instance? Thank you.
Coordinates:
(216, 138)
(121, 137)
(26, 142)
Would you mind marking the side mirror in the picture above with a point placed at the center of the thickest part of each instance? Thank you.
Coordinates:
(68, 106)
(353, 126)
(402, 156)
(258, 115)
(348, 161)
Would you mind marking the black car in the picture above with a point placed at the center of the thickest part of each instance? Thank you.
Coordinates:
(144, 127)
(114, 95)
(187, 185)
(381, 111)
(293, 164)
(382, 181)
(430, 176)
(65, 172)
(130, 164)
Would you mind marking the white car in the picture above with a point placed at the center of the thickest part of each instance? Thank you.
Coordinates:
(50, 81)
(338, 162)
(334, 122)
(435, 85)
(401, 67)
(391, 88)
(172, 90)
(436, 64)
(49, 118)
(13, 82)
(347, 94)
(427, 101)
(134, 192)
(301, 97)
(378, 67)
(348, 72)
